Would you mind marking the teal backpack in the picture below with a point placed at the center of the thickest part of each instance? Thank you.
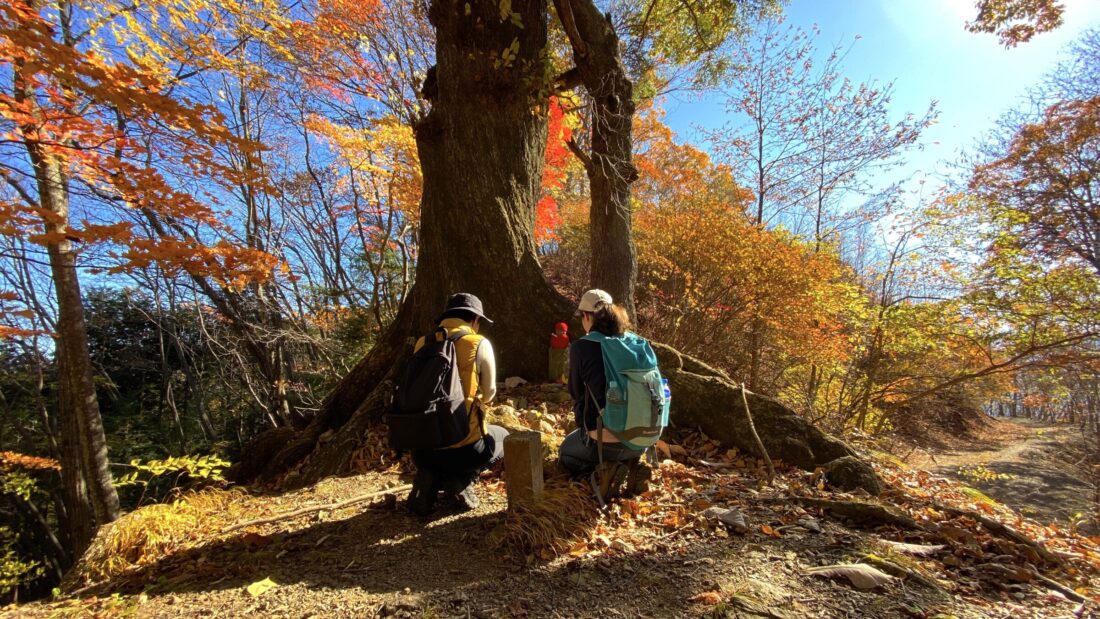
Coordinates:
(636, 410)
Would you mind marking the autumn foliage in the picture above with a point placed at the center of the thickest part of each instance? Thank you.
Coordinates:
(238, 188)
(1043, 188)
(104, 120)
(558, 160)
(1017, 21)
(709, 274)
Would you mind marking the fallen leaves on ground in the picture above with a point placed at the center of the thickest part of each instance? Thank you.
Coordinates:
(710, 598)
(261, 587)
(697, 474)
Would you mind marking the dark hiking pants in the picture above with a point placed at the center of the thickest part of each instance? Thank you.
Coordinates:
(462, 464)
(579, 455)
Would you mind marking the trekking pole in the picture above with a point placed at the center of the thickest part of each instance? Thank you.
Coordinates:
(756, 437)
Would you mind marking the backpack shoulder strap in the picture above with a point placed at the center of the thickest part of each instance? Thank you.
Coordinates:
(462, 332)
(594, 336)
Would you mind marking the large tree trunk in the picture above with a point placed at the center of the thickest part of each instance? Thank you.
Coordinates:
(609, 166)
(481, 152)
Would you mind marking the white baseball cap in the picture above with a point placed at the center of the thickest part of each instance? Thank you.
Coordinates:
(593, 300)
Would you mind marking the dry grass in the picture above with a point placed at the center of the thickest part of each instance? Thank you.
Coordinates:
(565, 514)
(147, 535)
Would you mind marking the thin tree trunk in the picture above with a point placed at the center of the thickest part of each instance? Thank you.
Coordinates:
(91, 495)
(610, 169)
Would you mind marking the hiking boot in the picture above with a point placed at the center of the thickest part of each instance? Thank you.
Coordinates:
(467, 499)
(422, 497)
(463, 491)
(637, 478)
(608, 479)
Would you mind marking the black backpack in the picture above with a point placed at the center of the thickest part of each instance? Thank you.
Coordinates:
(429, 406)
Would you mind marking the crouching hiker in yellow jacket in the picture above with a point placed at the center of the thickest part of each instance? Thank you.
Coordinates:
(454, 469)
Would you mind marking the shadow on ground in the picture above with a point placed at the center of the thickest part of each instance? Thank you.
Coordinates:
(384, 562)
(1031, 476)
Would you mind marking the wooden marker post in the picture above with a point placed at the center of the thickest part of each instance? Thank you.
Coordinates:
(523, 467)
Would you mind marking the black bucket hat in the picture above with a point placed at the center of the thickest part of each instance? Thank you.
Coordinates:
(463, 301)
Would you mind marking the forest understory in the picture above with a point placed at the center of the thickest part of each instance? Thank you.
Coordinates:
(940, 547)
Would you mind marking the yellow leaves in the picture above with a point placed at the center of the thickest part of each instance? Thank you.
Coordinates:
(261, 587)
(507, 14)
(382, 158)
(509, 54)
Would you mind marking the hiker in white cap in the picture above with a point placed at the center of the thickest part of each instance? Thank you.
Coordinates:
(580, 452)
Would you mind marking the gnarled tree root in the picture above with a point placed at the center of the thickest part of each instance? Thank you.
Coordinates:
(705, 398)
(1001, 530)
(856, 511)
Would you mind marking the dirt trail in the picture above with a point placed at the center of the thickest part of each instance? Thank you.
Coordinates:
(1028, 465)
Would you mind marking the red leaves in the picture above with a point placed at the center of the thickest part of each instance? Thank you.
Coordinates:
(558, 158)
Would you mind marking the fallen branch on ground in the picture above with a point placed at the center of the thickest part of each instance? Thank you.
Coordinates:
(1003, 530)
(1063, 589)
(1030, 573)
(318, 508)
(756, 437)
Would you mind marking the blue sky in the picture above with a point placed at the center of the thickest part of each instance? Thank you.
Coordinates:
(924, 47)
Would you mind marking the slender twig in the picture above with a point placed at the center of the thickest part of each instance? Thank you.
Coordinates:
(317, 508)
(756, 437)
